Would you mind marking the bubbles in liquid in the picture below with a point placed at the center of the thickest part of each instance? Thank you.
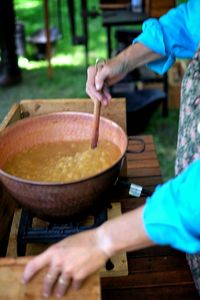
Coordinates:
(63, 161)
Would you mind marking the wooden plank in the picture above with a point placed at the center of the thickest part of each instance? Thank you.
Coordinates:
(164, 3)
(114, 6)
(178, 292)
(12, 116)
(116, 111)
(158, 264)
(143, 172)
(150, 155)
(141, 164)
(7, 204)
(7, 208)
(148, 279)
(145, 181)
(12, 243)
(10, 287)
(138, 147)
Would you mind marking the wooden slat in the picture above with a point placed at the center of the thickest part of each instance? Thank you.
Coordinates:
(148, 279)
(114, 6)
(137, 147)
(116, 111)
(7, 208)
(12, 116)
(10, 287)
(143, 172)
(157, 264)
(150, 155)
(157, 251)
(148, 139)
(145, 181)
(141, 164)
(178, 292)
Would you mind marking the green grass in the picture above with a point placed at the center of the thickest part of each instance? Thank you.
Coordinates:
(69, 74)
(164, 131)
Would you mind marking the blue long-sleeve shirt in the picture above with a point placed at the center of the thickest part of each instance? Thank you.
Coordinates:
(174, 35)
(172, 214)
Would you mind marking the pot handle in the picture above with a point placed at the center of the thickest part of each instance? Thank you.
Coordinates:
(139, 141)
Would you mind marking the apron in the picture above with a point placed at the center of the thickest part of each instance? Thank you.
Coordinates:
(188, 146)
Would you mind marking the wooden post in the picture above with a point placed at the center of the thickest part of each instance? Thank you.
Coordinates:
(48, 44)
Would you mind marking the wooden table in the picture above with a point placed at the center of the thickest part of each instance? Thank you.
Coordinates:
(157, 272)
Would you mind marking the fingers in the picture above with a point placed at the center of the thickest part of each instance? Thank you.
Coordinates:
(101, 77)
(62, 285)
(35, 265)
(106, 98)
(96, 87)
(50, 280)
(90, 85)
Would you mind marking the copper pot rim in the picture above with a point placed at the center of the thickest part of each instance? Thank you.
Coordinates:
(43, 183)
(29, 119)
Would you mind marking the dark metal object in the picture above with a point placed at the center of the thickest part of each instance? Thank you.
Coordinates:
(53, 232)
(135, 189)
(140, 142)
(40, 39)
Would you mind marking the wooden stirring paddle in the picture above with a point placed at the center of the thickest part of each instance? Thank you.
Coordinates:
(97, 110)
(96, 119)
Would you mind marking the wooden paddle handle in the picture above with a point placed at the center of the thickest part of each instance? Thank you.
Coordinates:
(97, 109)
(96, 119)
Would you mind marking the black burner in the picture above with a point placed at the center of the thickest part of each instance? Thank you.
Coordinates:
(52, 232)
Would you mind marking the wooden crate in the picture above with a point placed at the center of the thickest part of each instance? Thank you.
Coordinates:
(153, 8)
(156, 8)
(174, 95)
(114, 4)
(116, 111)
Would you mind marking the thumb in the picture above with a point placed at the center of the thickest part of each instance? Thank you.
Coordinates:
(100, 78)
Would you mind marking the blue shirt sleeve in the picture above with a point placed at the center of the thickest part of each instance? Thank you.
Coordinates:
(175, 35)
(172, 214)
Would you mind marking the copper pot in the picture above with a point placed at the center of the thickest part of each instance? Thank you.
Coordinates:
(59, 200)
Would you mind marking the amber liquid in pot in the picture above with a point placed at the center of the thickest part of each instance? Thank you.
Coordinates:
(62, 161)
